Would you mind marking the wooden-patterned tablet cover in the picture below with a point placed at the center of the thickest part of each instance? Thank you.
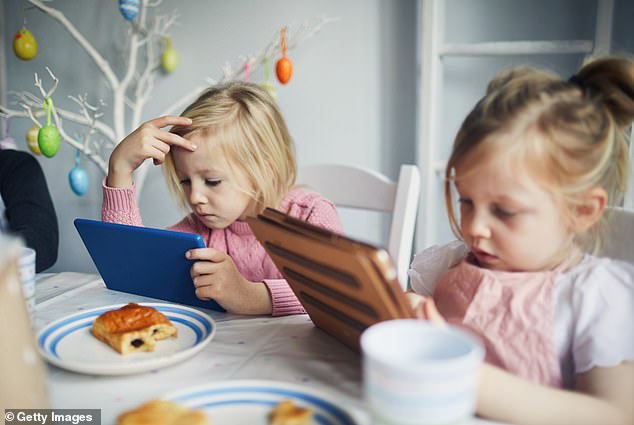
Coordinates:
(345, 285)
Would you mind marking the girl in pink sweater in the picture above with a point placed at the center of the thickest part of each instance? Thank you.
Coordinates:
(227, 157)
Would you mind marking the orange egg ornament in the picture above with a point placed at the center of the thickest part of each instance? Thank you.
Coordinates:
(284, 70)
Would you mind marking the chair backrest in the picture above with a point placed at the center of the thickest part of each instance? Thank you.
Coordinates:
(356, 187)
(618, 240)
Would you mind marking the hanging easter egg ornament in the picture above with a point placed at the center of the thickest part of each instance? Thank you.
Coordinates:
(24, 44)
(7, 142)
(268, 84)
(78, 177)
(48, 136)
(247, 70)
(129, 9)
(31, 140)
(284, 66)
(169, 57)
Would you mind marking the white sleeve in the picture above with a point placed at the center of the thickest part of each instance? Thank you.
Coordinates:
(603, 315)
(429, 264)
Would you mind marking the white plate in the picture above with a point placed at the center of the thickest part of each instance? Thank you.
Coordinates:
(246, 402)
(68, 342)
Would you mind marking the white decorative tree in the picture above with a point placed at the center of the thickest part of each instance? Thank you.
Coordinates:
(148, 35)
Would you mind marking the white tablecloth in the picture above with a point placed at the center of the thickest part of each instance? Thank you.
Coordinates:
(288, 349)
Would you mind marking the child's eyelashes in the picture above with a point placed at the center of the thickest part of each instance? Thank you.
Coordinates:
(502, 213)
(465, 202)
(498, 211)
(208, 182)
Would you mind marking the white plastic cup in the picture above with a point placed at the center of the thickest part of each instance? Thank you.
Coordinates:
(26, 271)
(418, 373)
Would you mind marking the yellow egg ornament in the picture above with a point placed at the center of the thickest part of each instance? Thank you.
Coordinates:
(24, 44)
(169, 57)
(31, 140)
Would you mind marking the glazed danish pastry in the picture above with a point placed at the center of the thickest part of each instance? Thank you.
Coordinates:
(288, 413)
(133, 328)
(162, 412)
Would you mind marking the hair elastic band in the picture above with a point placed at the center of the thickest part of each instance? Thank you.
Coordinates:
(577, 82)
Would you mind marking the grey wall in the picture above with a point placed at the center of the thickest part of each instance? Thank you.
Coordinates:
(352, 98)
(346, 102)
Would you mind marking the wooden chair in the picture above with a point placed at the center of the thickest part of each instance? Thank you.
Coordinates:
(361, 188)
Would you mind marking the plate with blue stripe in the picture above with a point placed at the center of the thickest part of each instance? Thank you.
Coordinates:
(68, 342)
(249, 402)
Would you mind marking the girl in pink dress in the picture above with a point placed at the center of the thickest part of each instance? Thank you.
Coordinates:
(227, 157)
(534, 165)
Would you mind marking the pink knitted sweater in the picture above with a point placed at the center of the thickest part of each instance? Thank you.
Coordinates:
(237, 240)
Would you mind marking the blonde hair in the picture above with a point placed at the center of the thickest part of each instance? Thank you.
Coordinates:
(570, 134)
(249, 128)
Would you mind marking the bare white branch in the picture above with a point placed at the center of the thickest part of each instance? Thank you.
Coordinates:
(133, 89)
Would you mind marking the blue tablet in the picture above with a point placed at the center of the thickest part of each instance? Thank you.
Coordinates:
(143, 261)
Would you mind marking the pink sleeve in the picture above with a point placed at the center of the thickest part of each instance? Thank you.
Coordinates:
(120, 205)
(325, 215)
(283, 298)
(321, 213)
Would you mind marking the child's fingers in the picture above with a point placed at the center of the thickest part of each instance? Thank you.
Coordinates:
(208, 254)
(171, 139)
(166, 120)
(431, 313)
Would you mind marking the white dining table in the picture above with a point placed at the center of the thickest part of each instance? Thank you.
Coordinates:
(287, 349)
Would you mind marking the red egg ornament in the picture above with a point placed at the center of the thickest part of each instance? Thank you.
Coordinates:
(284, 70)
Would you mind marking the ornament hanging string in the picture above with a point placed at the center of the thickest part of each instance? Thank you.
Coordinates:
(48, 108)
(247, 70)
(283, 40)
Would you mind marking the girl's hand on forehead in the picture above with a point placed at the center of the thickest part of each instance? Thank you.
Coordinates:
(147, 141)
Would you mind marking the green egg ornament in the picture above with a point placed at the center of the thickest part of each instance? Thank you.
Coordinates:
(169, 57)
(48, 140)
(24, 44)
(31, 140)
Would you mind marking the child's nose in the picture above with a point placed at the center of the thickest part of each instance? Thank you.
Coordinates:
(478, 226)
(196, 195)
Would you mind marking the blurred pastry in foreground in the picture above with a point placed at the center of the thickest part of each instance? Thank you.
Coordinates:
(288, 413)
(133, 328)
(162, 412)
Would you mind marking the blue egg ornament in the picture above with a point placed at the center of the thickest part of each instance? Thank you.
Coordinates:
(129, 9)
(79, 180)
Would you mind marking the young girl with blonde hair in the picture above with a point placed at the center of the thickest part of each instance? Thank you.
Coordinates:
(227, 157)
(534, 165)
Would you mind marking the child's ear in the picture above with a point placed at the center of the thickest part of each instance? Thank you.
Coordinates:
(590, 210)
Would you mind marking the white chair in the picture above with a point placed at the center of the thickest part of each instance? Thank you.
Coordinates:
(355, 187)
(618, 239)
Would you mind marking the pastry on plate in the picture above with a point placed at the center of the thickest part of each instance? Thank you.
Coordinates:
(288, 413)
(162, 412)
(133, 328)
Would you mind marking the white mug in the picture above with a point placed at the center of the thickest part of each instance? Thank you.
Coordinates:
(26, 271)
(418, 373)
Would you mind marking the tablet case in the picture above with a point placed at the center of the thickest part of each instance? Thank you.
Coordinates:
(345, 285)
(143, 261)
